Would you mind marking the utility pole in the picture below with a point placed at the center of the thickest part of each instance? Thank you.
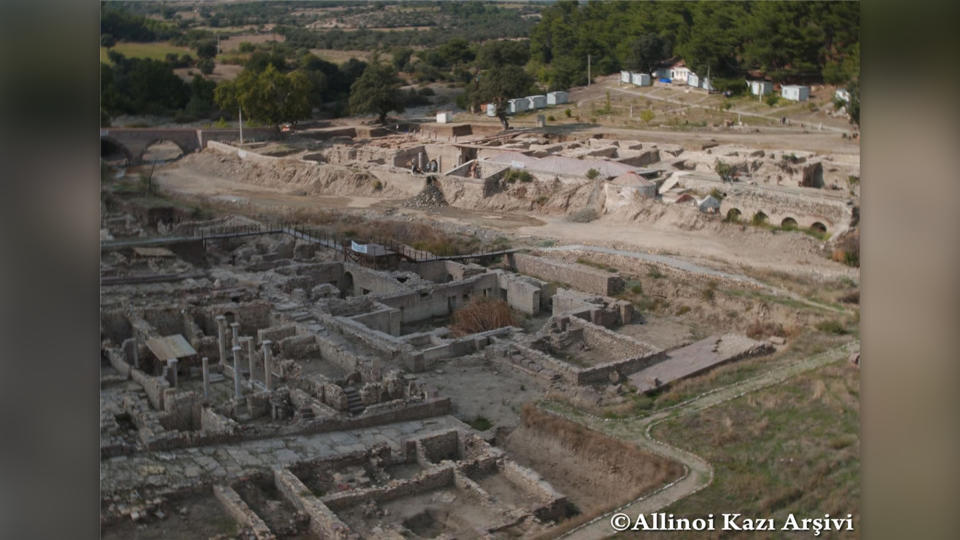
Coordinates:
(240, 109)
(588, 70)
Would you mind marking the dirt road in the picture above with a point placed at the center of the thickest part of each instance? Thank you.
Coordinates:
(699, 473)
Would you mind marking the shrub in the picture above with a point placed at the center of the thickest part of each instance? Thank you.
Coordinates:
(637, 289)
(481, 315)
(655, 273)
(832, 327)
(550, 118)
(221, 123)
(378, 185)
(772, 100)
(481, 423)
(583, 216)
(568, 112)
(647, 116)
(514, 175)
(710, 293)
(764, 329)
(683, 310)
(593, 173)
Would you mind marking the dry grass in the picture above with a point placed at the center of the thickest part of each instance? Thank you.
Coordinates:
(790, 448)
(481, 315)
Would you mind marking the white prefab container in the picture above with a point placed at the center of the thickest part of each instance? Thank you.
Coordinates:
(795, 92)
(662, 73)
(517, 105)
(537, 102)
(760, 88)
(640, 79)
(445, 117)
(558, 97)
(491, 109)
(625, 76)
(693, 80)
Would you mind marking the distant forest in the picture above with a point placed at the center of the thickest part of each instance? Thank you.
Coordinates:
(784, 41)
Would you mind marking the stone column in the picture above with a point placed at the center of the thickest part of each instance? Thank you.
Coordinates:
(222, 338)
(172, 370)
(267, 367)
(235, 334)
(251, 357)
(206, 377)
(236, 371)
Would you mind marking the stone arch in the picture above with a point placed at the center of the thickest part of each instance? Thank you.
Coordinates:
(734, 214)
(788, 223)
(759, 218)
(162, 140)
(109, 143)
(819, 227)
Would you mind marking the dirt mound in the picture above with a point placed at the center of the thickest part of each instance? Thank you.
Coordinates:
(288, 175)
(429, 197)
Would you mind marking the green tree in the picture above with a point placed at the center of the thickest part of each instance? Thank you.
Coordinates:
(401, 58)
(270, 96)
(498, 53)
(377, 91)
(207, 48)
(646, 52)
(499, 84)
(206, 65)
(107, 40)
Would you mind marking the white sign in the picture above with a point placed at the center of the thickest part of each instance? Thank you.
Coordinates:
(359, 248)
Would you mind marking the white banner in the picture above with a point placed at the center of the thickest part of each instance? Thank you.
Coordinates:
(359, 248)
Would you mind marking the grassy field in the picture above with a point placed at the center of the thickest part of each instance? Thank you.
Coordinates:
(792, 448)
(155, 50)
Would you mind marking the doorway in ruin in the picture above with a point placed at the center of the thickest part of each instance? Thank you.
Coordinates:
(759, 218)
(819, 227)
(114, 153)
(788, 224)
(346, 285)
(733, 215)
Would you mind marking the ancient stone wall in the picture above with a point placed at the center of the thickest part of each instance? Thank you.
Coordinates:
(579, 276)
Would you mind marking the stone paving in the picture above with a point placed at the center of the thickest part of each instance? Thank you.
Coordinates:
(171, 471)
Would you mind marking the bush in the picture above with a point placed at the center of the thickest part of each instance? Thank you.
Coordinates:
(832, 327)
(481, 315)
(514, 175)
(206, 65)
(481, 423)
(583, 216)
(772, 100)
(550, 118)
(637, 289)
(568, 112)
(655, 273)
(647, 116)
(378, 185)
(593, 173)
(762, 330)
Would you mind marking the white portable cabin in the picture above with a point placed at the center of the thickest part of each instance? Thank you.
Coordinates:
(693, 80)
(491, 109)
(537, 102)
(640, 79)
(760, 88)
(625, 76)
(662, 73)
(444, 117)
(517, 105)
(558, 97)
(795, 92)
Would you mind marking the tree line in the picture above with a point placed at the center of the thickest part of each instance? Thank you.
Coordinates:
(785, 41)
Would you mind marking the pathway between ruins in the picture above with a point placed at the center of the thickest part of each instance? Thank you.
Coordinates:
(699, 473)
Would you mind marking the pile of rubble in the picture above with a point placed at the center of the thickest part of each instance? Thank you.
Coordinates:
(429, 197)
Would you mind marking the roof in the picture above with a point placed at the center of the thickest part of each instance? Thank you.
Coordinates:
(174, 346)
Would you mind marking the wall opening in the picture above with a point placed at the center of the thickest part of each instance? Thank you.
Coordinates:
(733, 215)
(759, 218)
(819, 227)
(788, 223)
(162, 150)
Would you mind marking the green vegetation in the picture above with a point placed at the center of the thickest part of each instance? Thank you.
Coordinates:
(151, 51)
(832, 327)
(376, 91)
(515, 175)
(802, 41)
(481, 423)
(592, 174)
(269, 96)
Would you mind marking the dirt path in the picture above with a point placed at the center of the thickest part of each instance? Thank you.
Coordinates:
(699, 473)
(696, 269)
